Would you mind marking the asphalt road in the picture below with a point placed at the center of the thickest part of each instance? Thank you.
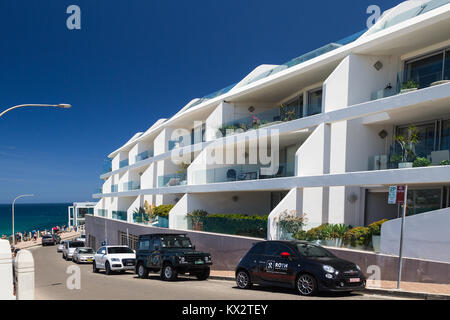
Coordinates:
(51, 279)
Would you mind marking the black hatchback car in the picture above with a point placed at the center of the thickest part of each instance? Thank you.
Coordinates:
(302, 265)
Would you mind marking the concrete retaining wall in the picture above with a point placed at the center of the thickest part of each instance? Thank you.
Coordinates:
(226, 251)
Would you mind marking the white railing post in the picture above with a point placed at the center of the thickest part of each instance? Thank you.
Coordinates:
(6, 271)
(24, 275)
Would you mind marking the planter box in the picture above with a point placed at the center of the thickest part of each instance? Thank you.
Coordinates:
(333, 243)
(376, 243)
(408, 90)
(402, 165)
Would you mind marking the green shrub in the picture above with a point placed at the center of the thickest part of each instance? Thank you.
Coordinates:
(410, 85)
(238, 216)
(238, 224)
(318, 233)
(162, 210)
(444, 163)
(197, 215)
(375, 227)
(357, 236)
(421, 162)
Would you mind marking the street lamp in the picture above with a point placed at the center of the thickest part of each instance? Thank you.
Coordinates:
(61, 105)
(21, 196)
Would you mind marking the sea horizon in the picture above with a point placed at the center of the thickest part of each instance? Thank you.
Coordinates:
(33, 216)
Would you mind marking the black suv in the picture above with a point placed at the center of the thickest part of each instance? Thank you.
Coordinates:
(170, 254)
(297, 264)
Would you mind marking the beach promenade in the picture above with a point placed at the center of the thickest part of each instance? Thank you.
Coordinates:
(38, 242)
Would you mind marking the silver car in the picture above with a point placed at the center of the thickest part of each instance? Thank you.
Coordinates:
(69, 248)
(83, 255)
(60, 246)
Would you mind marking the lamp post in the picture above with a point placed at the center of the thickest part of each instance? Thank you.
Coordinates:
(61, 105)
(21, 196)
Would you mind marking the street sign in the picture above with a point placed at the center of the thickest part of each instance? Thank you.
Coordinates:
(396, 194)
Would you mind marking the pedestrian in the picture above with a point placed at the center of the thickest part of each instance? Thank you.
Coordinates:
(75, 228)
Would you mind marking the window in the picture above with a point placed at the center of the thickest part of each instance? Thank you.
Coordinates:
(258, 248)
(314, 102)
(292, 110)
(144, 244)
(102, 250)
(445, 138)
(424, 200)
(428, 69)
(118, 250)
(309, 250)
(276, 248)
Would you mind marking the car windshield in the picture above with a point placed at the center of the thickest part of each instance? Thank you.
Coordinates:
(176, 242)
(85, 250)
(76, 244)
(310, 250)
(116, 250)
(47, 236)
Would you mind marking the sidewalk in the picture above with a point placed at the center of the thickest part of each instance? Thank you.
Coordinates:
(408, 289)
(38, 242)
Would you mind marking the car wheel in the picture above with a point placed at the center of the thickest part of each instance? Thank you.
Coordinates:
(142, 271)
(94, 267)
(306, 284)
(107, 268)
(243, 280)
(203, 275)
(168, 272)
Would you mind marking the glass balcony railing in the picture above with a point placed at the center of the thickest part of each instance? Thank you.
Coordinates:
(241, 173)
(170, 180)
(119, 215)
(131, 185)
(102, 213)
(260, 120)
(182, 141)
(144, 155)
(123, 163)
(412, 80)
(107, 166)
(114, 188)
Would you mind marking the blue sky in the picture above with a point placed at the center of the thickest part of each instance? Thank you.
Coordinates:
(131, 63)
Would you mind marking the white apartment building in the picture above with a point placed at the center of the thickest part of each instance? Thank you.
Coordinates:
(77, 212)
(335, 112)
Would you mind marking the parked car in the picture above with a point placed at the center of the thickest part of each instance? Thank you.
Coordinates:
(82, 237)
(170, 254)
(84, 254)
(48, 240)
(60, 246)
(297, 264)
(69, 248)
(114, 258)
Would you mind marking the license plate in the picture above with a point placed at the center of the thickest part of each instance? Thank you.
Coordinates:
(89, 260)
(355, 280)
(199, 262)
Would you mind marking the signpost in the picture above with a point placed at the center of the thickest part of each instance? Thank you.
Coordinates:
(399, 195)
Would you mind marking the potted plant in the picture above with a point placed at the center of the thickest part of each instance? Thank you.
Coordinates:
(409, 86)
(140, 215)
(375, 231)
(444, 163)
(336, 234)
(197, 219)
(421, 162)
(357, 238)
(290, 223)
(407, 143)
(161, 215)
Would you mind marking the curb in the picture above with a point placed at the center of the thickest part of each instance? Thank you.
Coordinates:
(385, 292)
(406, 294)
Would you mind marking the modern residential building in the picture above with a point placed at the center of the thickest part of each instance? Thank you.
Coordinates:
(78, 211)
(337, 114)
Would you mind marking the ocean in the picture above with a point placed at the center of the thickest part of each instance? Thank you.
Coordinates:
(33, 216)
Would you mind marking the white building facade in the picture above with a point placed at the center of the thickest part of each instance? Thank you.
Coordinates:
(327, 120)
(78, 211)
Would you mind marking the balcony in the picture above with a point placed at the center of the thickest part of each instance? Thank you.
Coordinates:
(119, 215)
(144, 155)
(107, 166)
(131, 185)
(123, 163)
(170, 180)
(114, 188)
(102, 213)
(241, 173)
(98, 190)
(182, 141)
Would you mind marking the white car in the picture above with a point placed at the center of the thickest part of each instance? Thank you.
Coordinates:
(83, 254)
(114, 258)
(82, 237)
(60, 246)
(69, 248)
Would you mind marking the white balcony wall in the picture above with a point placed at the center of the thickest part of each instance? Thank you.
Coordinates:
(161, 144)
(123, 178)
(312, 158)
(222, 114)
(134, 206)
(123, 155)
(106, 188)
(293, 201)
(148, 177)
